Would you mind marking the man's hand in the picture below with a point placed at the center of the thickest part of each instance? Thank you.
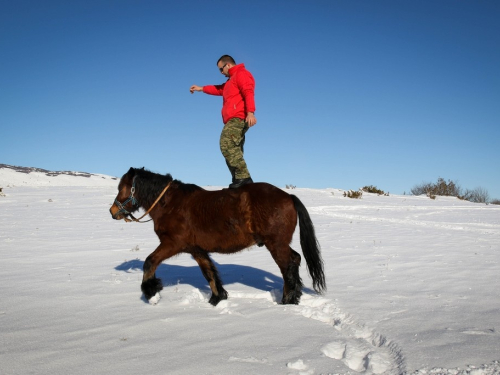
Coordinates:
(251, 120)
(195, 88)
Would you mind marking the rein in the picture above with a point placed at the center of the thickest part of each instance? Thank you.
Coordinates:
(121, 206)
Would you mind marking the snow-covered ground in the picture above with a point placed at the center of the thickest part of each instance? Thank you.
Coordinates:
(412, 288)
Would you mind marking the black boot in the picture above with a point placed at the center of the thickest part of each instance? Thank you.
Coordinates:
(240, 182)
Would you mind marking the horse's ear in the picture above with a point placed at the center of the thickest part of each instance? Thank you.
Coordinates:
(132, 172)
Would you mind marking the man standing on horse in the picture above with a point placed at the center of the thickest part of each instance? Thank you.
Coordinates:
(237, 114)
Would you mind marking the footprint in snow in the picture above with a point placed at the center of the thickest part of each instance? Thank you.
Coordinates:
(301, 366)
(360, 348)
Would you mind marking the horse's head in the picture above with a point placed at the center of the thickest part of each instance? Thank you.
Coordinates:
(125, 202)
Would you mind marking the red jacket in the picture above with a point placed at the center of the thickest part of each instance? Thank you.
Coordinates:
(237, 93)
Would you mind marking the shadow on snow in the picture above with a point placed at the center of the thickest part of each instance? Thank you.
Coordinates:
(229, 273)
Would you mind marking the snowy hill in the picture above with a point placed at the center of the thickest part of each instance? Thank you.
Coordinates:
(28, 176)
(412, 289)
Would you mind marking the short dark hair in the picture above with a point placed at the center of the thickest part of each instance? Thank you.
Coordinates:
(226, 59)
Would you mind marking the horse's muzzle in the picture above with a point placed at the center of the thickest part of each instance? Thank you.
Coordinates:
(115, 213)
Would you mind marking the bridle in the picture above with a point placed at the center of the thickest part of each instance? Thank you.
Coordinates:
(135, 203)
(131, 198)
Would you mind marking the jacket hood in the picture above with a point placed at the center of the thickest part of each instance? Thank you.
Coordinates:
(235, 69)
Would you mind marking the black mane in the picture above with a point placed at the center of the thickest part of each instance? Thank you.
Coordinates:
(149, 185)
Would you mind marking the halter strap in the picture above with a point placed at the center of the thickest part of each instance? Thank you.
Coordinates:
(134, 201)
(152, 206)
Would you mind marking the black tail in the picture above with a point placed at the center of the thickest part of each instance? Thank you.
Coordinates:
(310, 246)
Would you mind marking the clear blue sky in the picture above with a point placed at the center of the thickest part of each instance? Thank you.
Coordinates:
(348, 93)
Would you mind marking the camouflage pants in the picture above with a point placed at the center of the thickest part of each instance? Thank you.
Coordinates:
(232, 140)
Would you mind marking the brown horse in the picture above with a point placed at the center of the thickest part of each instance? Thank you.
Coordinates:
(189, 219)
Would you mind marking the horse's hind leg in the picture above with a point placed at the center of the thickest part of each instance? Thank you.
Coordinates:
(211, 274)
(292, 278)
(288, 260)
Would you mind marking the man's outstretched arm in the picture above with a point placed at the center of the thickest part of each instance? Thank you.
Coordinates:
(195, 88)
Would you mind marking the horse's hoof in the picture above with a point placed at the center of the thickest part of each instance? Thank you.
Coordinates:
(155, 299)
(214, 300)
(151, 287)
(293, 298)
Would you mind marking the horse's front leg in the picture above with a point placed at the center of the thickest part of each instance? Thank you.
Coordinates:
(211, 274)
(151, 285)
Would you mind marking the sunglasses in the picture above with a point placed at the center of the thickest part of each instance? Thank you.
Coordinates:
(221, 69)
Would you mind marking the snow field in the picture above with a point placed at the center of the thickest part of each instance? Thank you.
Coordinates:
(412, 288)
